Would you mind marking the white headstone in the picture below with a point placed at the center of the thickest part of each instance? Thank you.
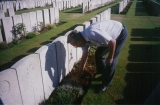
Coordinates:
(39, 18)
(86, 24)
(92, 20)
(24, 4)
(54, 4)
(30, 79)
(1, 38)
(27, 22)
(62, 56)
(10, 12)
(98, 18)
(109, 13)
(64, 5)
(17, 19)
(120, 6)
(56, 14)
(90, 6)
(4, 7)
(7, 25)
(33, 19)
(79, 53)
(52, 16)
(21, 5)
(49, 68)
(102, 16)
(84, 7)
(72, 54)
(17, 7)
(79, 28)
(46, 16)
(2, 14)
(9, 88)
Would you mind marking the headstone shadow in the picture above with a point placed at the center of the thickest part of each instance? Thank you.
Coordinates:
(143, 68)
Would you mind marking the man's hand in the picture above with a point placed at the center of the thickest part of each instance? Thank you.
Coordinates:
(82, 66)
(112, 47)
(109, 61)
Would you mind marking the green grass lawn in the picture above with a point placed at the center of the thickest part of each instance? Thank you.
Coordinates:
(138, 68)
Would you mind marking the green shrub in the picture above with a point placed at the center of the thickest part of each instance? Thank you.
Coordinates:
(3, 46)
(50, 26)
(30, 35)
(14, 42)
(65, 94)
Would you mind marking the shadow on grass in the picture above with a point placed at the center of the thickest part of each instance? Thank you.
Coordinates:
(140, 53)
(140, 9)
(46, 42)
(145, 34)
(33, 50)
(115, 9)
(11, 63)
(143, 67)
(78, 10)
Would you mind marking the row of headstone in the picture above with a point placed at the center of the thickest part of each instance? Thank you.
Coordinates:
(24, 4)
(19, 5)
(31, 20)
(94, 4)
(10, 12)
(122, 5)
(32, 79)
(65, 4)
(105, 15)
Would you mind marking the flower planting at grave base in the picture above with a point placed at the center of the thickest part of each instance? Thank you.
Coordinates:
(70, 91)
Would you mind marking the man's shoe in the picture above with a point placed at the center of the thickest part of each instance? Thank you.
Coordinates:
(101, 89)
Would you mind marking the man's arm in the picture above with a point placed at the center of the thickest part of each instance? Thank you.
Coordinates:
(111, 46)
(82, 65)
(83, 61)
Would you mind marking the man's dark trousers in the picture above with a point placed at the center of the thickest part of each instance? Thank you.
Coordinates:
(100, 55)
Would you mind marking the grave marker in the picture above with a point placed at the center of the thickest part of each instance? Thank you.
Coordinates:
(33, 19)
(56, 14)
(7, 25)
(79, 50)
(86, 24)
(9, 88)
(72, 54)
(10, 12)
(1, 38)
(79, 28)
(17, 19)
(52, 15)
(98, 18)
(62, 56)
(46, 16)
(39, 19)
(92, 20)
(30, 79)
(2, 14)
(17, 6)
(48, 60)
(26, 21)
